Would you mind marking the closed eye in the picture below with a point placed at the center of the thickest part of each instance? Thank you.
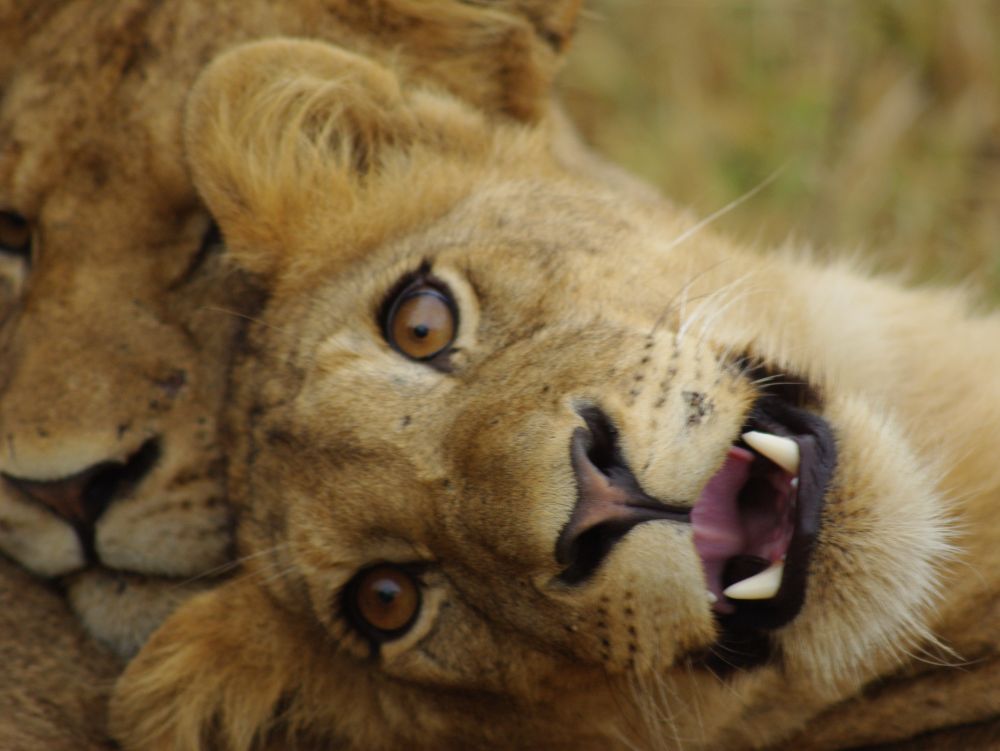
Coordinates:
(15, 235)
(211, 242)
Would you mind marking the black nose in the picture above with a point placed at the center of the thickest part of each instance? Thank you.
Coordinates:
(610, 501)
(81, 498)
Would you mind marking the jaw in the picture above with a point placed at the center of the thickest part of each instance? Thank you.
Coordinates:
(871, 578)
(881, 559)
(121, 610)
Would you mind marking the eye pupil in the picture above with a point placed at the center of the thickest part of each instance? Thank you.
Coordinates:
(421, 331)
(386, 591)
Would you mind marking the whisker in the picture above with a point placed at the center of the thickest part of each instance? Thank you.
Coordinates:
(229, 565)
(246, 317)
(682, 293)
(723, 307)
(719, 213)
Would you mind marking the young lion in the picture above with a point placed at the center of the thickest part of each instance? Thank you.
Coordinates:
(117, 315)
(523, 463)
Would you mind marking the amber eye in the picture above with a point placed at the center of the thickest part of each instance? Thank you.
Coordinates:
(422, 322)
(383, 601)
(15, 234)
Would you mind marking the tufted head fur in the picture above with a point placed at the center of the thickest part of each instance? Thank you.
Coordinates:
(540, 493)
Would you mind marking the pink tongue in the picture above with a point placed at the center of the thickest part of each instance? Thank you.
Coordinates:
(715, 518)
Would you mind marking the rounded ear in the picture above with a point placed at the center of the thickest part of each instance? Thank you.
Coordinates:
(553, 20)
(288, 137)
(499, 55)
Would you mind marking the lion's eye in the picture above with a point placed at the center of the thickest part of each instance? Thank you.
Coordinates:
(383, 601)
(15, 235)
(422, 321)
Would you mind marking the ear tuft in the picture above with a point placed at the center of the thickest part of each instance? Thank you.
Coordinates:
(498, 55)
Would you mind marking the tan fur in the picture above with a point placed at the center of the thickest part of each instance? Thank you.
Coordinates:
(333, 182)
(54, 680)
(119, 333)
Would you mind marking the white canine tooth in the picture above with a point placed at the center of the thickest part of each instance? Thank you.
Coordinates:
(712, 599)
(782, 451)
(762, 586)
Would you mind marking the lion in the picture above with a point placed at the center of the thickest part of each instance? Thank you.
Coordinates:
(117, 311)
(521, 462)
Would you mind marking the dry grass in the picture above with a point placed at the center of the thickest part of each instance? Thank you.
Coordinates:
(882, 115)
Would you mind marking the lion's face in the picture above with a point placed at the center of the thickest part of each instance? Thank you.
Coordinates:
(117, 313)
(119, 319)
(525, 461)
(565, 486)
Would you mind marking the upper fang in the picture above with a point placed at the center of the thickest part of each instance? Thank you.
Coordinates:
(782, 451)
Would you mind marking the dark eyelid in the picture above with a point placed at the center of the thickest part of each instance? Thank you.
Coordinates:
(22, 224)
(211, 240)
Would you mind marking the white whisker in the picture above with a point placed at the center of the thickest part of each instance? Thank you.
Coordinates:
(718, 214)
(230, 565)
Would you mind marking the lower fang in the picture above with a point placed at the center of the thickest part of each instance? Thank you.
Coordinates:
(712, 599)
(762, 586)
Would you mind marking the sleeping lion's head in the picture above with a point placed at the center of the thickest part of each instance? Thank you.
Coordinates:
(117, 313)
(522, 463)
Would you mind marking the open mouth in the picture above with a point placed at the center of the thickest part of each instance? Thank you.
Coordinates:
(755, 523)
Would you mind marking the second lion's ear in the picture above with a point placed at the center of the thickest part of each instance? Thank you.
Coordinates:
(499, 55)
(293, 142)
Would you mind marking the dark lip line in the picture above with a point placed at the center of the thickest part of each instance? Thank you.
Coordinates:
(770, 413)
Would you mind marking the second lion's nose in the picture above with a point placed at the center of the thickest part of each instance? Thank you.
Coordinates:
(82, 497)
(79, 499)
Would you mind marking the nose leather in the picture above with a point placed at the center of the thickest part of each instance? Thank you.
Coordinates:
(610, 501)
(78, 499)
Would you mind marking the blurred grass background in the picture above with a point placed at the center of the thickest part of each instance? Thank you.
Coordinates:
(883, 117)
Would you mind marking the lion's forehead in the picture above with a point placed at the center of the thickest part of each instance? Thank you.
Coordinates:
(534, 252)
(66, 143)
(93, 106)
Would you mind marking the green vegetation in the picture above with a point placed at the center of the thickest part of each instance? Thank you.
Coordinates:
(880, 117)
